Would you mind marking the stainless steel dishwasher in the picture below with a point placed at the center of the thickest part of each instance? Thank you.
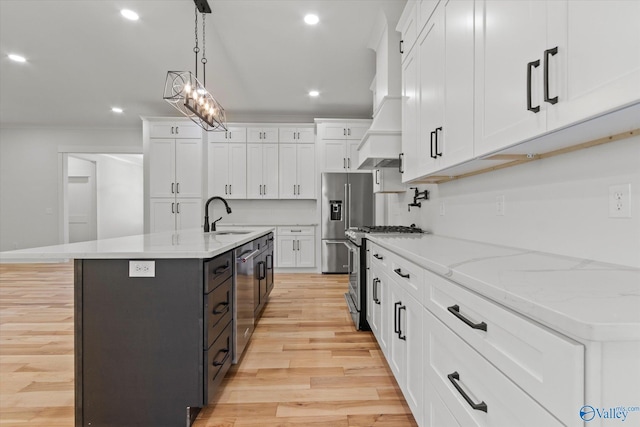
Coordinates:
(243, 302)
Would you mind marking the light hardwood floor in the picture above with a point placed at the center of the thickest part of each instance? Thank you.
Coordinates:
(305, 364)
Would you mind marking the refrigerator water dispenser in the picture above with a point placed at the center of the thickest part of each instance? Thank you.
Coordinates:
(335, 210)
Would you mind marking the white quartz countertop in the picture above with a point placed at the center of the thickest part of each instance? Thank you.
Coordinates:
(584, 299)
(184, 244)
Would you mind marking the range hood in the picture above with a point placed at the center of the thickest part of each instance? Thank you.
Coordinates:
(382, 143)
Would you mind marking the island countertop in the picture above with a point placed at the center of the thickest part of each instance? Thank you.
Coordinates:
(582, 298)
(192, 243)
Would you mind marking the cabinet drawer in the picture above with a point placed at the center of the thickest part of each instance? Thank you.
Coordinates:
(406, 274)
(218, 358)
(217, 271)
(295, 230)
(217, 311)
(379, 256)
(450, 362)
(547, 366)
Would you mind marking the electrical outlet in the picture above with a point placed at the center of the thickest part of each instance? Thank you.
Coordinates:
(620, 201)
(142, 269)
(442, 208)
(500, 205)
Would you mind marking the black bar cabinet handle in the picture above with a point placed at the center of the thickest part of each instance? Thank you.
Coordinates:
(377, 256)
(398, 271)
(222, 268)
(400, 335)
(438, 152)
(455, 310)
(433, 134)
(530, 66)
(401, 161)
(375, 290)
(226, 356)
(401, 46)
(548, 53)
(224, 305)
(454, 377)
(396, 329)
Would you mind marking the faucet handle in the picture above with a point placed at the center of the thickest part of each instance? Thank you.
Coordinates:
(213, 224)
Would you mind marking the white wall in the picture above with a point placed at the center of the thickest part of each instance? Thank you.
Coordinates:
(29, 179)
(557, 205)
(267, 212)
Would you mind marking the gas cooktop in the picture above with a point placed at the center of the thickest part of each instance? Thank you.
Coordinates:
(389, 229)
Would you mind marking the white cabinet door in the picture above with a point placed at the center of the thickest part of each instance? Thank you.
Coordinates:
(306, 136)
(593, 71)
(306, 253)
(218, 169)
(188, 168)
(352, 155)
(189, 214)
(285, 252)
(288, 171)
(431, 111)
(510, 38)
(335, 158)
(161, 168)
(162, 215)
(237, 165)
(387, 180)
(410, 105)
(306, 164)
(254, 171)
(397, 347)
(336, 131)
(411, 325)
(176, 129)
(436, 413)
(355, 131)
(270, 171)
(262, 135)
(232, 134)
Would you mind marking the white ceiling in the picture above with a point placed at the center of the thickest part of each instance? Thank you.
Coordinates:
(83, 58)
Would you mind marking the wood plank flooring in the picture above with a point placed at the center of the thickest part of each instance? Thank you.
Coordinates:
(305, 364)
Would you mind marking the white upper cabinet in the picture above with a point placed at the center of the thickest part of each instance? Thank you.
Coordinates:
(345, 131)
(175, 167)
(262, 134)
(338, 142)
(228, 170)
(593, 71)
(262, 171)
(232, 134)
(297, 171)
(541, 66)
(408, 27)
(299, 135)
(176, 129)
(410, 124)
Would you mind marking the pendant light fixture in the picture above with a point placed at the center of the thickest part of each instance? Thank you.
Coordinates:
(187, 94)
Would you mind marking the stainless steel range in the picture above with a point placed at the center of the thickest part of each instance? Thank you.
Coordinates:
(357, 245)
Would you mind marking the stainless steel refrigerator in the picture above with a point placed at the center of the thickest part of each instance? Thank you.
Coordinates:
(347, 201)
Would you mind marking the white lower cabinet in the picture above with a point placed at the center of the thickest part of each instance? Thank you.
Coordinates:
(295, 247)
(474, 390)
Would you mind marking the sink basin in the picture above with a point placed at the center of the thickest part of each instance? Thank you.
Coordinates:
(221, 233)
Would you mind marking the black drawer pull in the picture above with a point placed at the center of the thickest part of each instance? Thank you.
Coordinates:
(454, 377)
(226, 356)
(400, 334)
(398, 271)
(222, 268)
(225, 306)
(376, 256)
(455, 310)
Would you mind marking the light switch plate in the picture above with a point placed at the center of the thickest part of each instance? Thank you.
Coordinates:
(142, 269)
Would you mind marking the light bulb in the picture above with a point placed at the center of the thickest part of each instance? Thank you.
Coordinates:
(311, 19)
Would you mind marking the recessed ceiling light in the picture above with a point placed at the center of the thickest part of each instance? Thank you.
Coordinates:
(311, 19)
(17, 58)
(314, 93)
(129, 14)
(117, 110)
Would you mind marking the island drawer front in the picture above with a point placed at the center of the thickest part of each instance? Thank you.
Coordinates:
(217, 312)
(261, 242)
(218, 270)
(546, 365)
(449, 361)
(218, 358)
(379, 256)
(296, 231)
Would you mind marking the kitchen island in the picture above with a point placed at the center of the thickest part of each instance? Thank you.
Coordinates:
(155, 320)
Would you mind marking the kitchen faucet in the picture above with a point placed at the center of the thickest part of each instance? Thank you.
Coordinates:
(206, 213)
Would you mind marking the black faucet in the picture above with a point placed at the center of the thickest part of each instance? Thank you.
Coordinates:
(206, 213)
(418, 195)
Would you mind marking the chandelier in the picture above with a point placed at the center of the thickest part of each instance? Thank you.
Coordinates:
(187, 94)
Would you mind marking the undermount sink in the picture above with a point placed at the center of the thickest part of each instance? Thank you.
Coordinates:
(220, 233)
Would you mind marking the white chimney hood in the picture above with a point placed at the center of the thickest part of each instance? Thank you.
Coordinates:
(382, 143)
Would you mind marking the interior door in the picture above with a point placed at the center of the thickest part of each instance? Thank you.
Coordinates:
(82, 200)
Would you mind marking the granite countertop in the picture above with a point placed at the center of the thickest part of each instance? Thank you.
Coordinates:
(584, 299)
(183, 244)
